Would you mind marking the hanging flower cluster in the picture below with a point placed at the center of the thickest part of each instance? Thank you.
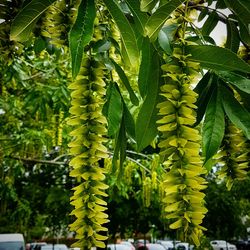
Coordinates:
(87, 150)
(233, 157)
(180, 148)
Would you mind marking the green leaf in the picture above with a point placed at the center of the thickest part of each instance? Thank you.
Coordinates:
(210, 23)
(221, 4)
(233, 39)
(120, 148)
(81, 33)
(202, 14)
(166, 36)
(204, 89)
(145, 127)
(159, 17)
(39, 45)
(126, 83)
(241, 8)
(113, 109)
(101, 46)
(216, 58)
(237, 80)
(140, 18)
(147, 5)
(237, 114)
(244, 33)
(145, 74)
(127, 33)
(25, 20)
(129, 121)
(214, 126)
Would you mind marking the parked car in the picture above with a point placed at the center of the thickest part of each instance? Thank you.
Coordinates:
(118, 247)
(36, 245)
(222, 245)
(183, 246)
(54, 247)
(151, 246)
(167, 244)
(128, 243)
(12, 242)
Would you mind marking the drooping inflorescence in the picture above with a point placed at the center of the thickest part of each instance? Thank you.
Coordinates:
(180, 146)
(87, 149)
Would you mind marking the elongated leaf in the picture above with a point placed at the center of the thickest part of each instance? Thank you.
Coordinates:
(120, 149)
(159, 17)
(145, 127)
(126, 83)
(129, 122)
(241, 8)
(237, 114)
(139, 17)
(81, 33)
(210, 23)
(25, 20)
(233, 39)
(244, 33)
(145, 73)
(237, 80)
(127, 33)
(204, 89)
(221, 4)
(166, 36)
(113, 109)
(214, 126)
(217, 58)
(202, 14)
(147, 5)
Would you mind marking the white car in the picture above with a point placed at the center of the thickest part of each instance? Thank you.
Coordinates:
(12, 241)
(168, 244)
(222, 245)
(118, 247)
(54, 247)
(183, 246)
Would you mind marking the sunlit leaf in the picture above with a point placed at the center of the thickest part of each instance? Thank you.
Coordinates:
(127, 33)
(147, 5)
(237, 80)
(217, 58)
(159, 17)
(81, 33)
(126, 83)
(139, 17)
(165, 37)
(146, 128)
(25, 20)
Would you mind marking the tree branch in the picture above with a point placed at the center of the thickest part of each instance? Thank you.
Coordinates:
(52, 162)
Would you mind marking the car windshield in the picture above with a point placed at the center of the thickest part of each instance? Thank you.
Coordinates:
(11, 246)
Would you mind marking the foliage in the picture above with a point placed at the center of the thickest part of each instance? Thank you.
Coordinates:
(160, 83)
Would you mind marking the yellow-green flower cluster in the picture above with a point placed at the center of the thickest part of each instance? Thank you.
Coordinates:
(233, 157)
(87, 150)
(57, 21)
(180, 149)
